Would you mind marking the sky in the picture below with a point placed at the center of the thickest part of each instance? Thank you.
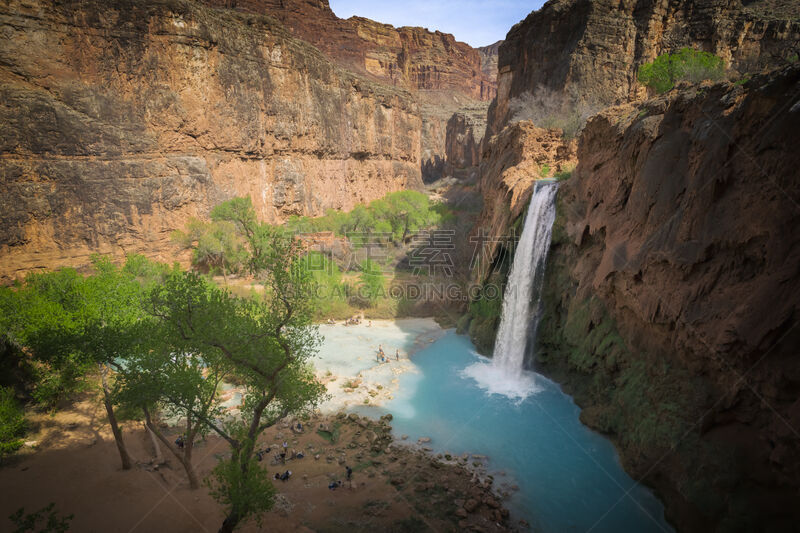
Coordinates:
(476, 22)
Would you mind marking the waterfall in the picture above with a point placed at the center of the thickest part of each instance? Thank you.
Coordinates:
(505, 374)
(524, 288)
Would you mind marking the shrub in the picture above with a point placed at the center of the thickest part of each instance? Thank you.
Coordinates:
(553, 110)
(45, 520)
(12, 422)
(370, 282)
(686, 64)
(544, 171)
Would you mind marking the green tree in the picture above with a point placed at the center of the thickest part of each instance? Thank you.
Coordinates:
(216, 246)
(161, 376)
(265, 344)
(71, 324)
(39, 314)
(686, 64)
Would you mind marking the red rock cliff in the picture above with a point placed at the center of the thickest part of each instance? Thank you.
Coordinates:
(672, 303)
(592, 49)
(410, 57)
(123, 119)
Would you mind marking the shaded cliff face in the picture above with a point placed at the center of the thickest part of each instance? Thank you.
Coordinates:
(409, 57)
(463, 136)
(672, 304)
(592, 49)
(123, 119)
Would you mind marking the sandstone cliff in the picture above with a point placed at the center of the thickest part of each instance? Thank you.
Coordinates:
(123, 119)
(672, 297)
(410, 57)
(591, 49)
(445, 76)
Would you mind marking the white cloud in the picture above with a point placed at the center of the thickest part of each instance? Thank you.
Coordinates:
(477, 22)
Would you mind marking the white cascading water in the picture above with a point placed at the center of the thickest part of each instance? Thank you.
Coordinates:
(505, 374)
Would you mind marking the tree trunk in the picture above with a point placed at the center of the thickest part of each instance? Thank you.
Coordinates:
(187, 464)
(156, 446)
(112, 419)
(230, 523)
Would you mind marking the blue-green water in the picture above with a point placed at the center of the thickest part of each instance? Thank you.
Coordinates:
(569, 477)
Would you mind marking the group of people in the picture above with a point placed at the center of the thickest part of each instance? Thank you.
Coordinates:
(355, 321)
(333, 485)
(381, 355)
(282, 456)
(285, 476)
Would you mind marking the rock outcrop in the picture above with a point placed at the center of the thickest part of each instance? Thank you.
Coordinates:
(591, 50)
(123, 119)
(489, 56)
(672, 297)
(463, 136)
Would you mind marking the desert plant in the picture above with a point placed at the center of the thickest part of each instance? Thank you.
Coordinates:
(551, 109)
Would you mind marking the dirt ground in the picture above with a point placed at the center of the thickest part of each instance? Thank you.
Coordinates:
(72, 461)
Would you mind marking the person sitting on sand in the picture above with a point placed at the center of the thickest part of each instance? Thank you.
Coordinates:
(286, 475)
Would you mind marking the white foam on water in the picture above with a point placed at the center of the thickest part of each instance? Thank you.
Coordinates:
(496, 380)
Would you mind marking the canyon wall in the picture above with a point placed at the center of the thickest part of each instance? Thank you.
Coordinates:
(445, 76)
(590, 50)
(672, 299)
(489, 55)
(410, 57)
(121, 120)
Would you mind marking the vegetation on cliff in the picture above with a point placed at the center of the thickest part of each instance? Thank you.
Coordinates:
(687, 64)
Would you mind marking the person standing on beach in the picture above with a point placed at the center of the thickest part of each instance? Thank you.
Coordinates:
(397, 355)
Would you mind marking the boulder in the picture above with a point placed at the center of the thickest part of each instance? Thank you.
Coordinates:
(471, 505)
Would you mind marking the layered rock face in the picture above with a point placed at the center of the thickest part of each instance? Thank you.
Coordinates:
(446, 76)
(123, 119)
(672, 304)
(591, 49)
(409, 57)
